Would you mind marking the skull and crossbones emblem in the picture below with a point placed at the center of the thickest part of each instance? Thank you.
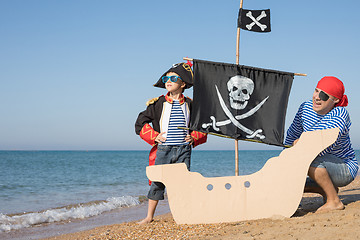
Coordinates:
(256, 20)
(240, 89)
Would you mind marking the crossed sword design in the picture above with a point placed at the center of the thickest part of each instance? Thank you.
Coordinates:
(234, 120)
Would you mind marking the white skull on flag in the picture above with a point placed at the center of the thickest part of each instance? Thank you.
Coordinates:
(240, 88)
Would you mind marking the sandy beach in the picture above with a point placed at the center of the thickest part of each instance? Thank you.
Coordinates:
(304, 224)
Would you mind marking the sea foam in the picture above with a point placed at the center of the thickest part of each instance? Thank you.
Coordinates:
(80, 211)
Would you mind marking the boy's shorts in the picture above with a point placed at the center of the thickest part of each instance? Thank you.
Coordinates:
(336, 168)
(167, 154)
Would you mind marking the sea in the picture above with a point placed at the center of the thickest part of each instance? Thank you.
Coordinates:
(43, 188)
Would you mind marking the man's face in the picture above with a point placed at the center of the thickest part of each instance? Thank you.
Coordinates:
(321, 106)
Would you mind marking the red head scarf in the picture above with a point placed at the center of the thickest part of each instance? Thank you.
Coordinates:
(334, 87)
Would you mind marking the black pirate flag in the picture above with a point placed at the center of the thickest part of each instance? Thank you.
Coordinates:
(254, 20)
(240, 102)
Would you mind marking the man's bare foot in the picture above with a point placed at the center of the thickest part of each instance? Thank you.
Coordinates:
(145, 221)
(331, 206)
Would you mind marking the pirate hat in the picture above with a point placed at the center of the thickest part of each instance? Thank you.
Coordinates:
(183, 70)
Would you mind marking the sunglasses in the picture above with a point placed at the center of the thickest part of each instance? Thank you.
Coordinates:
(323, 96)
(172, 78)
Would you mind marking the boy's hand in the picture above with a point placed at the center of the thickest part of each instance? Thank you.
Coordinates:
(189, 139)
(160, 138)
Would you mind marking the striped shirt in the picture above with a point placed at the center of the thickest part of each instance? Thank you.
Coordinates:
(306, 119)
(176, 136)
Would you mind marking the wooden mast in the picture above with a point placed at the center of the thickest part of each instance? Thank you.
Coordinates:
(237, 62)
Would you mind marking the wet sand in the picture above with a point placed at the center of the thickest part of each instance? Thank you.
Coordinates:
(304, 224)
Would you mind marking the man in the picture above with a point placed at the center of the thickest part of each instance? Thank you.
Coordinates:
(336, 166)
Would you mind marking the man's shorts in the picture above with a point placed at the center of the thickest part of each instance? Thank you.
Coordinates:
(336, 168)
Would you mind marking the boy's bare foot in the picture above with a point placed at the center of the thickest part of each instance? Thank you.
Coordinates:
(145, 221)
(331, 206)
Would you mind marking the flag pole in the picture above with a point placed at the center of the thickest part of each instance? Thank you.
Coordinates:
(238, 39)
(237, 62)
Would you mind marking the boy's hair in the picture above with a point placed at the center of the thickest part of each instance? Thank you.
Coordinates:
(183, 70)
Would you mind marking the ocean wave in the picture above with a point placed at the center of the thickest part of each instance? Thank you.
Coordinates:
(80, 211)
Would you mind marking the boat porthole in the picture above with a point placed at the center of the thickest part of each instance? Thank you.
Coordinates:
(228, 186)
(210, 187)
(247, 184)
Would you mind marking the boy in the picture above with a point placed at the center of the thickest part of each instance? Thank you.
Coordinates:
(166, 114)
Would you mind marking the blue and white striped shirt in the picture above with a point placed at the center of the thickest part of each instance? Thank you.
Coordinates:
(306, 119)
(176, 136)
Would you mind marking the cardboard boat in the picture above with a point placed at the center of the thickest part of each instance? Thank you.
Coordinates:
(274, 191)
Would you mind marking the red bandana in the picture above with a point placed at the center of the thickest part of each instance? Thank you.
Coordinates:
(334, 87)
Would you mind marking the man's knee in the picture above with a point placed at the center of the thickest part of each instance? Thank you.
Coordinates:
(318, 173)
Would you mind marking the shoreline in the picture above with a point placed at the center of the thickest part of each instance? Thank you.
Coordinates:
(117, 216)
(304, 224)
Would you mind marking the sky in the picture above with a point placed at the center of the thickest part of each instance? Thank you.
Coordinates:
(75, 74)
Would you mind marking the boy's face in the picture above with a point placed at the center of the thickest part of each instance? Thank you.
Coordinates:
(174, 87)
